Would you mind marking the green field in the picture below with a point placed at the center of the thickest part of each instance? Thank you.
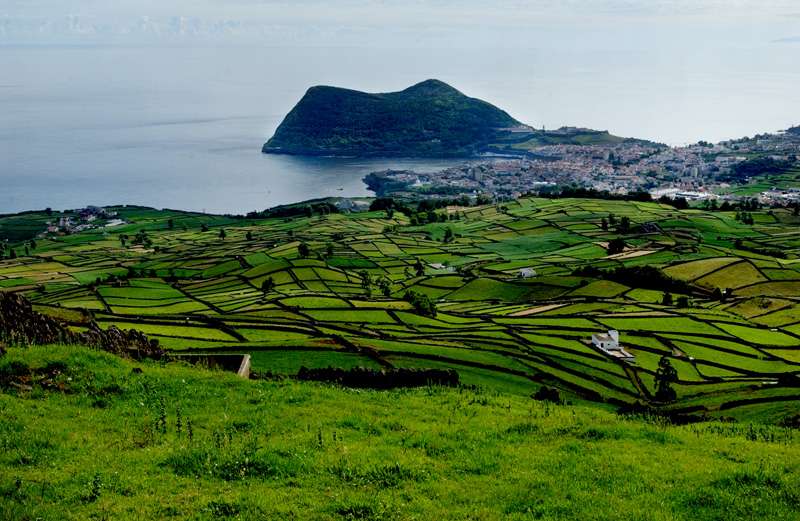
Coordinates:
(732, 328)
(97, 440)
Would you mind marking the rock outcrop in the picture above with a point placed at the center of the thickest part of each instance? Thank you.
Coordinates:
(20, 324)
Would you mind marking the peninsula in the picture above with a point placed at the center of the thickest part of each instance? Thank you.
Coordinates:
(429, 119)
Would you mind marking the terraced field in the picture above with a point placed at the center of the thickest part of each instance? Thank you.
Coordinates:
(516, 306)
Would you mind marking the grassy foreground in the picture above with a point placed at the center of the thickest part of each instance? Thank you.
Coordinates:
(93, 439)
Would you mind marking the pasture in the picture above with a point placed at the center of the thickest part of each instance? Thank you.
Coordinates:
(515, 304)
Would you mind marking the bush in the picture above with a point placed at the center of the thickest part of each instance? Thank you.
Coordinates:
(421, 302)
(547, 394)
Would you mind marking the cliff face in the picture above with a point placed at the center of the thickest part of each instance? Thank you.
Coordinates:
(430, 119)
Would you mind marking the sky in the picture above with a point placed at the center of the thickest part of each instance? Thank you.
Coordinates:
(400, 23)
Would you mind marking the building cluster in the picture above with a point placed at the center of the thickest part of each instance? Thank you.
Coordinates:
(84, 219)
(696, 171)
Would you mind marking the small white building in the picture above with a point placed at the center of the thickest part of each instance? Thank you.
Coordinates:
(527, 273)
(609, 344)
(606, 341)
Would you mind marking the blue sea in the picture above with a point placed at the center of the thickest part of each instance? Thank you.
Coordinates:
(182, 126)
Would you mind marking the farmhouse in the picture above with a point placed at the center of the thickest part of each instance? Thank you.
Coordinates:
(527, 273)
(609, 344)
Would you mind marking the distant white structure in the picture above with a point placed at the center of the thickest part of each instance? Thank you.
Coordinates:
(606, 341)
(527, 273)
(609, 344)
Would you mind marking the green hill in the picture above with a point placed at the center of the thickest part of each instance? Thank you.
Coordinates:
(430, 119)
(85, 436)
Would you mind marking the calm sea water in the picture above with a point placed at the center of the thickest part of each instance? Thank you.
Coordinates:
(182, 127)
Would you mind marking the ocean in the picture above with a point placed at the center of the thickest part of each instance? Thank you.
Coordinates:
(182, 126)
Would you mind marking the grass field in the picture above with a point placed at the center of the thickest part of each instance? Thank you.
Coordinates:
(100, 441)
(734, 336)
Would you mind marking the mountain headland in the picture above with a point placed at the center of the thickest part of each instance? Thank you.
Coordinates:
(429, 119)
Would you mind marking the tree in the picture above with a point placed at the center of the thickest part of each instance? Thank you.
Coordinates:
(303, 250)
(624, 225)
(140, 237)
(268, 285)
(604, 224)
(421, 303)
(249, 235)
(667, 299)
(615, 246)
(33, 244)
(385, 286)
(204, 227)
(448, 235)
(382, 203)
(612, 219)
(171, 224)
(683, 301)
(679, 203)
(420, 268)
(329, 250)
(482, 200)
(222, 234)
(13, 254)
(366, 283)
(666, 375)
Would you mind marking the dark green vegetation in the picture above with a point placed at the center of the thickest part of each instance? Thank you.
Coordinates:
(518, 143)
(785, 177)
(765, 167)
(84, 436)
(430, 119)
(513, 295)
(427, 119)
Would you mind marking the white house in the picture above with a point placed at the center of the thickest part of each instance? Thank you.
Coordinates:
(609, 344)
(440, 266)
(527, 273)
(607, 341)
